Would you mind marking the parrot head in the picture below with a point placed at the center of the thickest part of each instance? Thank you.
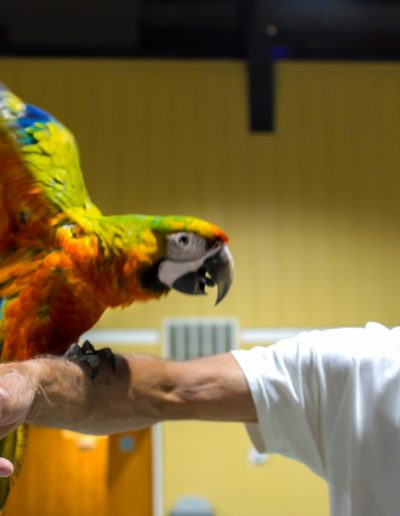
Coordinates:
(186, 254)
(194, 256)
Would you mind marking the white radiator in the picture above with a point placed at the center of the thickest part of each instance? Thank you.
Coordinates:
(186, 338)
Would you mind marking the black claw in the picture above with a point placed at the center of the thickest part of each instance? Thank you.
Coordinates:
(88, 348)
(87, 354)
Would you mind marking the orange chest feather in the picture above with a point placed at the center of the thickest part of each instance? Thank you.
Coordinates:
(51, 302)
(48, 315)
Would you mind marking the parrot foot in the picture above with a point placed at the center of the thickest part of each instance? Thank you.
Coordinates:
(87, 354)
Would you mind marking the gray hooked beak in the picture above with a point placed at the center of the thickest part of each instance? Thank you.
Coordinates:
(217, 269)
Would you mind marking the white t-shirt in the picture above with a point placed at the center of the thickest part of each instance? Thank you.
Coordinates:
(331, 399)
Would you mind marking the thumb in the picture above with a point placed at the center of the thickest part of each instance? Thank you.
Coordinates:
(6, 468)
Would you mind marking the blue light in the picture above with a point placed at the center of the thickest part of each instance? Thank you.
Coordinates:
(279, 52)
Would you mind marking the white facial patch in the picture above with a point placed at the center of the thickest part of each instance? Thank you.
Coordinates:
(170, 270)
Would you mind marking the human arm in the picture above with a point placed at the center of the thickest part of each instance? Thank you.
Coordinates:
(142, 391)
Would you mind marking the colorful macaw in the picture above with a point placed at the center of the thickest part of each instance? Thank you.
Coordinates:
(62, 262)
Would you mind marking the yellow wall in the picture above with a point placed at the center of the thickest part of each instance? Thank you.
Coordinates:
(312, 212)
(311, 209)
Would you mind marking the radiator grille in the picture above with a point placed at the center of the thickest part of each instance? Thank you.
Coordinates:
(185, 339)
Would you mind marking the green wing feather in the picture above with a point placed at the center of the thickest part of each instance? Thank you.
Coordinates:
(12, 447)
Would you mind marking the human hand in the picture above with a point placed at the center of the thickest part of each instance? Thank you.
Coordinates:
(16, 397)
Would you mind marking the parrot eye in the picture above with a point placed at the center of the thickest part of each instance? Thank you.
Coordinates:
(183, 240)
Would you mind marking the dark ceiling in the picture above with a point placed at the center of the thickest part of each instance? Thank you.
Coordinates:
(259, 31)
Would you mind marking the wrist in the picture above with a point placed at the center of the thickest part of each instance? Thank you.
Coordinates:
(17, 392)
(51, 381)
(37, 372)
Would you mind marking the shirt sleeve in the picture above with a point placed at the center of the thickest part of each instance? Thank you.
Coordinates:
(286, 390)
(315, 393)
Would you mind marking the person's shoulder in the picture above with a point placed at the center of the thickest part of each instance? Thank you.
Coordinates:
(373, 337)
(329, 346)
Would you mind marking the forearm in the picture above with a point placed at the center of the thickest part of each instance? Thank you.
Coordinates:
(142, 390)
(128, 397)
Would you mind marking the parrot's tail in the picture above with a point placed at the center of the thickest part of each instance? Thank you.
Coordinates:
(12, 447)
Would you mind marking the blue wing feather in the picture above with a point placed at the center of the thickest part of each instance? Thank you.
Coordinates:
(48, 151)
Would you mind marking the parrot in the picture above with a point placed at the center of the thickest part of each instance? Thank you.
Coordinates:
(63, 262)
